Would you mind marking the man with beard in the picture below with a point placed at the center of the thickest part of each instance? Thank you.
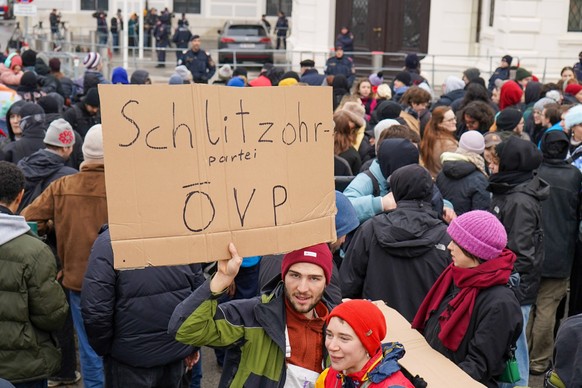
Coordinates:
(280, 333)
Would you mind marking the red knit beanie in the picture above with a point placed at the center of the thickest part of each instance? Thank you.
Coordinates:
(366, 320)
(573, 89)
(316, 254)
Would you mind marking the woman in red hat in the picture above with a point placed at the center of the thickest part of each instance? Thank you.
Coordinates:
(353, 338)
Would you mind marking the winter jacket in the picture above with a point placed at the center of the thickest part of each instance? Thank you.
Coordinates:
(519, 209)
(257, 324)
(117, 308)
(447, 99)
(80, 119)
(31, 141)
(501, 73)
(343, 66)
(381, 371)
(182, 36)
(353, 158)
(77, 205)
(200, 65)
(464, 186)
(560, 216)
(495, 325)
(40, 169)
(32, 305)
(360, 193)
(567, 354)
(396, 257)
(313, 78)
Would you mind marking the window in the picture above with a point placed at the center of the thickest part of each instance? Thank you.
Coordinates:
(246, 30)
(411, 25)
(575, 16)
(360, 27)
(274, 6)
(187, 6)
(94, 5)
(491, 12)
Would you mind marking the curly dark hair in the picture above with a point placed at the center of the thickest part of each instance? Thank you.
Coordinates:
(11, 182)
(481, 112)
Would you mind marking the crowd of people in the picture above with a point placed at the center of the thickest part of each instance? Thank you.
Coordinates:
(462, 212)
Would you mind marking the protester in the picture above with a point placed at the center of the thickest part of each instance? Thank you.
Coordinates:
(282, 330)
(397, 256)
(33, 128)
(353, 337)
(470, 315)
(438, 138)
(84, 114)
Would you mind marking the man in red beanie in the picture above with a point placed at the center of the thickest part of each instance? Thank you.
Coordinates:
(280, 334)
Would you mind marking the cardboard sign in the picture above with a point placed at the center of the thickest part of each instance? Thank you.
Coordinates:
(420, 358)
(190, 168)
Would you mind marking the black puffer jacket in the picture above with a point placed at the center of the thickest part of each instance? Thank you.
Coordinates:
(397, 257)
(495, 325)
(126, 313)
(519, 209)
(464, 185)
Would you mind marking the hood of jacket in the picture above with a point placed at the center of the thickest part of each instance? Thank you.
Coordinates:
(536, 187)
(409, 231)
(457, 169)
(12, 226)
(40, 165)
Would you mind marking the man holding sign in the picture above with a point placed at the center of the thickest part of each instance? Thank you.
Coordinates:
(280, 333)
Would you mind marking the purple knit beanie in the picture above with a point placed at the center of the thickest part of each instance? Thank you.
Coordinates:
(480, 233)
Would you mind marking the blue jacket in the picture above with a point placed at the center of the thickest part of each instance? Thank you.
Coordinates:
(312, 77)
(126, 313)
(360, 190)
(343, 66)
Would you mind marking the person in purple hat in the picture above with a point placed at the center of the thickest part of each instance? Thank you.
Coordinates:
(470, 315)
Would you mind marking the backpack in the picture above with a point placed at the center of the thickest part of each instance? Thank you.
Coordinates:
(376, 191)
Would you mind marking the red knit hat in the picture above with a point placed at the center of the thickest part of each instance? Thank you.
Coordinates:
(316, 254)
(573, 89)
(366, 320)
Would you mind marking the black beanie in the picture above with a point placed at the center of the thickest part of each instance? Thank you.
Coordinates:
(412, 182)
(92, 98)
(508, 119)
(30, 109)
(387, 110)
(291, 74)
(28, 79)
(28, 58)
(404, 77)
(49, 104)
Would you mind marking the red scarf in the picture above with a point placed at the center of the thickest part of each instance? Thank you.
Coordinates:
(455, 319)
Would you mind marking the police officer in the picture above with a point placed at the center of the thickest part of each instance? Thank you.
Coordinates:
(162, 35)
(340, 64)
(181, 37)
(198, 62)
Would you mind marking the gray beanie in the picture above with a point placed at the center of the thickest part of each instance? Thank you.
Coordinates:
(59, 134)
(542, 102)
(93, 145)
(183, 72)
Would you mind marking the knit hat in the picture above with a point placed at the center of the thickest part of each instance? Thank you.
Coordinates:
(59, 134)
(55, 64)
(453, 83)
(307, 63)
(573, 89)
(387, 110)
(480, 233)
(288, 82)
(92, 98)
(356, 111)
(411, 61)
(92, 60)
(382, 125)
(472, 73)
(376, 79)
(183, 72)
(49, 104)
(316, 254)
(508, 59)
(346, 218)
(139, 77)
(236, 82)
(244, 72)
(411, 182)
(522, 73)
(404, 77)
(175, 79)
(225, 73)
(384, 91)
(573, 117)
(472, 141)
(28, 79)
(554, 95)
(93, 144)
(542, 102)
(28, 58)
(30, 113)
(508, 119)
(365, 319)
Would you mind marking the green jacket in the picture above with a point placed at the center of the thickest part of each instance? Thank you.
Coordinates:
(256, 325)
(32, 304)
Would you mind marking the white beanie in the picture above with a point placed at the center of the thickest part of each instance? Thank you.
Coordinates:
(382, 125)
(92, 60)
(93, 145)
(59, 134)
(573, 117)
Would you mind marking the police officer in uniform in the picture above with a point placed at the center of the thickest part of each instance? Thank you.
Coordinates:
(198, 62)
(181, 38)
(340, 64)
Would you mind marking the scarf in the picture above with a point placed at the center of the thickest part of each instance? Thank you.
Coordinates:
(454, 320)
